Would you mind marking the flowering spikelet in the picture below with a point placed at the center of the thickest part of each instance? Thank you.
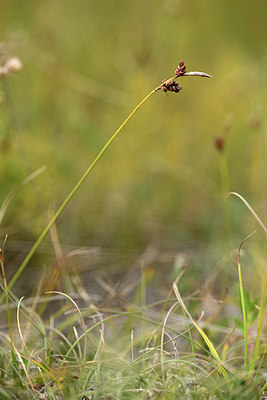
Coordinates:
(181, 69)
(171, 86)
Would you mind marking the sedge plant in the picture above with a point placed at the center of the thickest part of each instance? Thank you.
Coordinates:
(86, 366)
(167, 85)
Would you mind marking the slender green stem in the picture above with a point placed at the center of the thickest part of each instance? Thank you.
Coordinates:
(224, 174)
(264, 287)
(225, 189)
(260, 325)
(143, 301)
(84, 176)
(6, 293)
(71, 194)
(243, 304)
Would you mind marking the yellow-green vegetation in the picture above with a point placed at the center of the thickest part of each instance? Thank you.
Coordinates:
(145, 286)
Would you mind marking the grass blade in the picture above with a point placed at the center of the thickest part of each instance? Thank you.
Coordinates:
(243, 303)
(212, 349)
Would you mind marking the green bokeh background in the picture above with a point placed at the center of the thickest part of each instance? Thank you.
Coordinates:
(86, 65)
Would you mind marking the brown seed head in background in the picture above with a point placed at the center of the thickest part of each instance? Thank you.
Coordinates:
(219, 142)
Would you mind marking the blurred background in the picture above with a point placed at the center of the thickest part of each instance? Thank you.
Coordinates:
(156, 199)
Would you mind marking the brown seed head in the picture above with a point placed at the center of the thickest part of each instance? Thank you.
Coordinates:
(171, 86)
(219, 143)
(181, 69)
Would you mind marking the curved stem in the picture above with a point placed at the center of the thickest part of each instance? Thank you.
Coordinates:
(71, 194)
(84, 176)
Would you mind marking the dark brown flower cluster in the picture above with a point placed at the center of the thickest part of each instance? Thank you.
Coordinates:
(219, 142)
(181, 69)
(171, 86)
